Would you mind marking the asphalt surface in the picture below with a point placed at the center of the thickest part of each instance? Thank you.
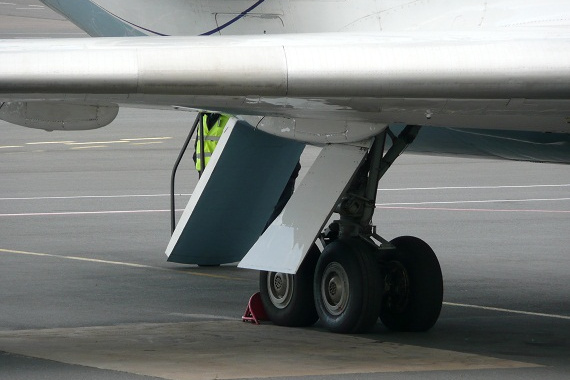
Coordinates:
(86, 291)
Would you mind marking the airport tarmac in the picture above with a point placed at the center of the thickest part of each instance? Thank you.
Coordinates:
(86, 291)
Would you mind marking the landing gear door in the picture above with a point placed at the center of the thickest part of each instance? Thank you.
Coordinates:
(283, 246)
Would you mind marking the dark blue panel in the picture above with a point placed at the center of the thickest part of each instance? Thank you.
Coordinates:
(238, 199)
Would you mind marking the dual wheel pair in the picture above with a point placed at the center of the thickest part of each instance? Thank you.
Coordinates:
(352, 283)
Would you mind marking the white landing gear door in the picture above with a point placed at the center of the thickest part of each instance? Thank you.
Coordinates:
(285, 243)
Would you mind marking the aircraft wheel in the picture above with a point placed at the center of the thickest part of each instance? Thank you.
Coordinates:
(347, 286)
(413, 286)
(287, 298)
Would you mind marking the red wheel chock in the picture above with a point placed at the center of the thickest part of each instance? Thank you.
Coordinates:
(255, 311)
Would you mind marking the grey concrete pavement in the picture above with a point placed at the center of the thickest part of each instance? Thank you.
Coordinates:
(31, 19)
(86, 291)
(83, 233)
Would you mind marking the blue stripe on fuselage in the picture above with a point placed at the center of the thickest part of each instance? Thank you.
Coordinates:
(93, 19)
(99, 22)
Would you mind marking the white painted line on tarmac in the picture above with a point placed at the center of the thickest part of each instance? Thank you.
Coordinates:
(90, 147)
(98, 142)
(143, 266)
(70, 213)
(91, 197)
(77, 258)
(557, 316)
(133, 265)
(148, 138)
(146, 143)
(419, 205)
(472, 209)
(398, 205)
(474, 187)
(481, 201)
(121, 263)
(49, 142)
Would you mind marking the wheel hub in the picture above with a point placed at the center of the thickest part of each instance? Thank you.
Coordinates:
(335, 288)
(280, 286)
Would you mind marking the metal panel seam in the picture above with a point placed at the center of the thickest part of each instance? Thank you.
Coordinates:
(138, 71)
(286, 70)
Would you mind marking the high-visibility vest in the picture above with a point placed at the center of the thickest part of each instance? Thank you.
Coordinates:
(212, 135)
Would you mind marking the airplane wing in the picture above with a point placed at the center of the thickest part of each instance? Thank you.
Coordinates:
(501, 81)
(350, 92)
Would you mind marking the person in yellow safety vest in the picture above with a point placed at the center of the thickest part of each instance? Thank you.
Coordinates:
(214, 124)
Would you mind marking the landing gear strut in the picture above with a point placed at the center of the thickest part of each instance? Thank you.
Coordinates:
(361, 276)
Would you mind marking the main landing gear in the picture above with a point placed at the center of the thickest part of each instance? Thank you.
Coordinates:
(360, 277)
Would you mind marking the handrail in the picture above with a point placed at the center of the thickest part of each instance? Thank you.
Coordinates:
(175, 168)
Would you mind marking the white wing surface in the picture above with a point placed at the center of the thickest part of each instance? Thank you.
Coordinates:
(507, 80)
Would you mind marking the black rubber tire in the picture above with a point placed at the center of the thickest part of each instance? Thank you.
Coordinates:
(299, 310)
(413, 286)
(355, 310)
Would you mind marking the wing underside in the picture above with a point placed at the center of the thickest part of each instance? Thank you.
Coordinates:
(487, 81)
